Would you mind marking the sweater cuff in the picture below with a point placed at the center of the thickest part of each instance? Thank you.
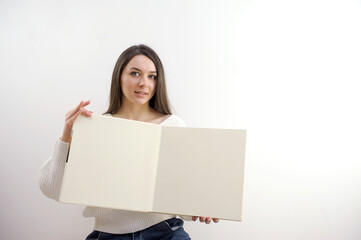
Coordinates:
(186, 218)
(60, 153)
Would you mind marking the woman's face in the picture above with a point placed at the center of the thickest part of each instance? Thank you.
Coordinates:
(138, 80)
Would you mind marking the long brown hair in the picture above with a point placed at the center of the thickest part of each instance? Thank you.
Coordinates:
(159, 102)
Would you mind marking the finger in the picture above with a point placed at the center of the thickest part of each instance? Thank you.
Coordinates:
(82, 111)
(215, 220)
(86, 112)
(71, 120)
(86, 103)
(194, 218)
(71, 113)
(75, 110)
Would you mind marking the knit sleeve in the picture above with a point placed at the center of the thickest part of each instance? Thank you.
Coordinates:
(174, 121)
(52, 171)
(185, 218)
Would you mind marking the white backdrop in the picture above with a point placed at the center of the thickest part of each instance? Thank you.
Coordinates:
(286, 71)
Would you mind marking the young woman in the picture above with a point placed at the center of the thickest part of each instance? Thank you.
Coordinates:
(138, 92)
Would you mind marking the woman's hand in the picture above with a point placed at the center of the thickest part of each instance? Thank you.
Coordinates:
(70, 118)
(207, 220)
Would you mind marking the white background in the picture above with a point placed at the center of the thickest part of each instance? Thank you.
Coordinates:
(287, 71)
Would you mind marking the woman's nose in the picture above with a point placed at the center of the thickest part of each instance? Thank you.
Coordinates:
(142, 81)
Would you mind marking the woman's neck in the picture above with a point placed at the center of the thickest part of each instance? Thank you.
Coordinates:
(135, 112)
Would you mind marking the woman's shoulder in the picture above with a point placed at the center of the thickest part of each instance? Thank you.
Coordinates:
(173, 121)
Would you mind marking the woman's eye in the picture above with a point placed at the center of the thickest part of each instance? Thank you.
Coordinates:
(135, 74)
(153, 77)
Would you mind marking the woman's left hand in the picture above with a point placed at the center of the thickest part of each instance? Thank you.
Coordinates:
(207, 220)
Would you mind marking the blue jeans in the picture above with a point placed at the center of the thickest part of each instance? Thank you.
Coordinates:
(171, 229)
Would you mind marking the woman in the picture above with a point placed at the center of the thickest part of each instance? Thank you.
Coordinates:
(138, 92)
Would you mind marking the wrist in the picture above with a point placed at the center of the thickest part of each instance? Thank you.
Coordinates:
(65, 137)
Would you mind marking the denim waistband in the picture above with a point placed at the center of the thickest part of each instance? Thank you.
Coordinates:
(172, 228)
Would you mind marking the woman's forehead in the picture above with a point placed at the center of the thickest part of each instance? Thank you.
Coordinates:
(143, 63)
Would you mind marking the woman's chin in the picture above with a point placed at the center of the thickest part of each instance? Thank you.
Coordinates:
(141, 102)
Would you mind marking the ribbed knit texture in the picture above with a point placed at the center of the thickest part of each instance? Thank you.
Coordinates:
(106, 220)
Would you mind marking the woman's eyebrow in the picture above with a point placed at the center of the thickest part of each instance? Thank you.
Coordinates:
(137, 69)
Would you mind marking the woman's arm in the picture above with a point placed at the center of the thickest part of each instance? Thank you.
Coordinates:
(52, 171)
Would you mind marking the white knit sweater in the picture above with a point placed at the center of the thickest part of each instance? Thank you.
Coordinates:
(106, 220)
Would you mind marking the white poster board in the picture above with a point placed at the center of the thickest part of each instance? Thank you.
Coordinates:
(131, 165)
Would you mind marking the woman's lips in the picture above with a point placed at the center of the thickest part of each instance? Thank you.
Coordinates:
(141, 94)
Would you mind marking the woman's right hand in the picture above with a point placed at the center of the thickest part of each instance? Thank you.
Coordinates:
(70, 118)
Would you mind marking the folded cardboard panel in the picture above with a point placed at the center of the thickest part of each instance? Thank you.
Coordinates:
(124, 164)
